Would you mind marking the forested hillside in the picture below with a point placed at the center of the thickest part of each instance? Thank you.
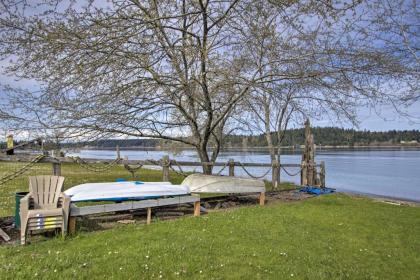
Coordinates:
(331, 136)
(323, 136)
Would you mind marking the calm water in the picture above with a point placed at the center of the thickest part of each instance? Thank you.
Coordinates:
(394, 173)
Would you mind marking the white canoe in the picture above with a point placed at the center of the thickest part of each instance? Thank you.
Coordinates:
(199, 183)
(120, 191)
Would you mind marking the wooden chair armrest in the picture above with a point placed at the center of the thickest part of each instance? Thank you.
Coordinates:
(24, 202)
(24, 208)
(65, 203)
(66, 199)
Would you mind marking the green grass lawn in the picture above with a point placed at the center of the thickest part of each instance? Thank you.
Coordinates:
(329, 237)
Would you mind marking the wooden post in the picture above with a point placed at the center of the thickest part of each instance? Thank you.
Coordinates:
(197, 209)
(231, 167)
(303, 174)
(149, 215)
(275, 178)
(118, 152)
(165, 168)
(56, 168)
(322, 174)
(262, 198)
(310, 174)
(72, 225)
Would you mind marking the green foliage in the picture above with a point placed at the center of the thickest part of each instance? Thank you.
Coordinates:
(329, 237)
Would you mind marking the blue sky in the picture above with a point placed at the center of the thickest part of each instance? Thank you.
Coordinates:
(382, 119)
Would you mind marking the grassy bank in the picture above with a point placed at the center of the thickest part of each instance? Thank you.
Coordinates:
(330, 237)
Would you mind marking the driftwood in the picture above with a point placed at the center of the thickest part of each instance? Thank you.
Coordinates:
(4, 235)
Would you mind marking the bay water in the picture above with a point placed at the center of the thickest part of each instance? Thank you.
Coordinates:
(384, 172)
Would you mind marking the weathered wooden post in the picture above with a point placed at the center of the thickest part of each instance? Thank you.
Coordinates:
(231, 167)
(308, 158)
(165, 168)
(275, 177)
(310, 174)
(303, 174)
(322, 174)
(197, 208)
(118, 152)
(262, 198)
(72, 225)
(149, 215)
(56, 168)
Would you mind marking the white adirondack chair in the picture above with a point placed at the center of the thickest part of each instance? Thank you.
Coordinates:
(45, 207)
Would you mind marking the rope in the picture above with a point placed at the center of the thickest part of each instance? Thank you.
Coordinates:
(133, 169)
(180, 172)
(153, 162)
(21, 171)
(252, 176)
(223, 168)
(285, 171)
(85, 165)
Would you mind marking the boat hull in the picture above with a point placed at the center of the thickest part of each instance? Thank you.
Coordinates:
(121, 191)
(199, 183)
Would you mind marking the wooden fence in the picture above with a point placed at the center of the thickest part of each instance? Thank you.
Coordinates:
(168, 164)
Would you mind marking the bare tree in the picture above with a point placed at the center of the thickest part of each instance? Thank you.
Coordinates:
(343, 62)
(176, 69)
(166, 70)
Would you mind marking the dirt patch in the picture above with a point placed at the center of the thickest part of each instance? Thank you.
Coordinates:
(7, 224)
(107, 221)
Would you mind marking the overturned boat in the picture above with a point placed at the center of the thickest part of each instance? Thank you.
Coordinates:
(200, 183)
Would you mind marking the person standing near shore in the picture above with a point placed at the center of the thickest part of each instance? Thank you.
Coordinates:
(9, 144)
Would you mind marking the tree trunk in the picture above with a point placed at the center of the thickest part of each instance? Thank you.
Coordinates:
(204, 157)
(268, 134)
(276, 184)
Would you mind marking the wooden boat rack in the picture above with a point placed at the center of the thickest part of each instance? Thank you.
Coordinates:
(76, 211)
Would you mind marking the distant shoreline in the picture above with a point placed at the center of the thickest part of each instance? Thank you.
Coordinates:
(287, 148)
(383, 198)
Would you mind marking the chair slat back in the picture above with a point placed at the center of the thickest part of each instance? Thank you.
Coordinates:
(45, 190)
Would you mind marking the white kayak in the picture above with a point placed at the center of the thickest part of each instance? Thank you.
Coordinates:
(121, 191)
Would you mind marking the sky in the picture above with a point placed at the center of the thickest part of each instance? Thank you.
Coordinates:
(381, 119)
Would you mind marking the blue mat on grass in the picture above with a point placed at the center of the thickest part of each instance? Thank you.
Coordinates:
(316, 190)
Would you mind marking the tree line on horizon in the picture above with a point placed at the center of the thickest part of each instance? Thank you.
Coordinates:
(329, 136)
